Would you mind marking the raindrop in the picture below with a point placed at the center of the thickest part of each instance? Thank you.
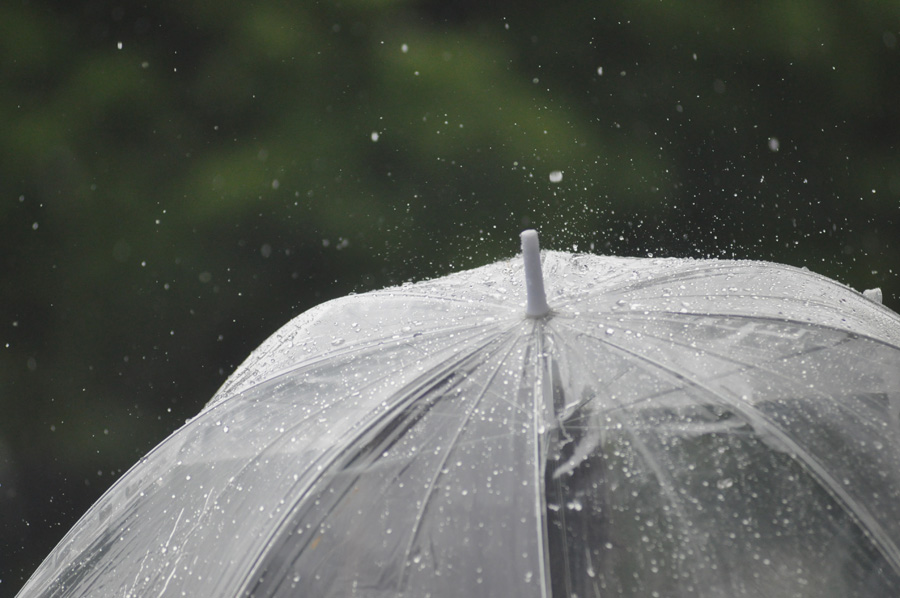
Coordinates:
(374, 135)
(404, 48)
(774, 144)
(337, 342)
(556, 176)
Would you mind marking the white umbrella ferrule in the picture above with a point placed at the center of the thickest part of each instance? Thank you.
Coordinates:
(536, 299)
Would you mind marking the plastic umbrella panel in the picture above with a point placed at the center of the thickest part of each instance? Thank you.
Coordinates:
(682, 428)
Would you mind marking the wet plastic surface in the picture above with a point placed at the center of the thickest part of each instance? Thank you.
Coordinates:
(678, 427)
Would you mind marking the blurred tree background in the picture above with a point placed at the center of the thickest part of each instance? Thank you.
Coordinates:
(179, 178)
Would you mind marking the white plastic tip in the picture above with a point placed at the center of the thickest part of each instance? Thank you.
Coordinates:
(874, 295)
(536, 303)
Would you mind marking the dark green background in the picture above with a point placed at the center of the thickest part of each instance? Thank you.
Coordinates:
(167, 204)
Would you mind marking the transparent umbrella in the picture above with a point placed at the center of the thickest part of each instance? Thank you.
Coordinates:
(654, 427)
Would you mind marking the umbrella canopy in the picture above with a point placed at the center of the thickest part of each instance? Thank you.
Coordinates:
(655, 427)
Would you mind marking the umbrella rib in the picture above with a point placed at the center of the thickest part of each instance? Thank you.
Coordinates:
(539, 458)
(664, 479)
(628, 283)
(641, 315)
(760, 367)
(430, 296)
(328, 459)
(715, 270)
(728, 358)
(301, 422)
(351, 348)
(432, 484)
(557, 487)
(880, 537)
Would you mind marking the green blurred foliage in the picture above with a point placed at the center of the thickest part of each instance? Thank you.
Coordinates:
(180, 178)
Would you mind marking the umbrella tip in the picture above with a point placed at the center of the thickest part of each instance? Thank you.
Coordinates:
(536, 304)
